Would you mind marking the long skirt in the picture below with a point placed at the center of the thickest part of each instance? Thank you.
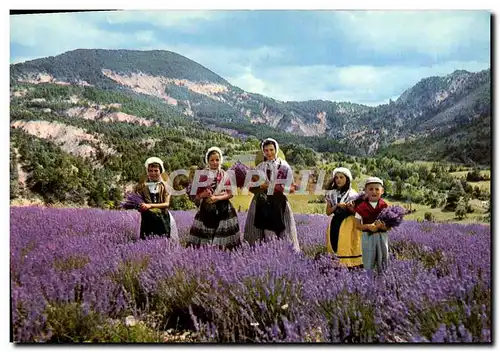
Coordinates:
(343, 239)
(225, 232)
(253, 234)
(158, 223)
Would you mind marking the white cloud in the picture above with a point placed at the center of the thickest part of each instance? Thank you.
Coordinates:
(145, 36)
(226, 62)
(355, 76)
(71, 31)
(162, 18)
(250, 82)
(368, 85)
(54, 34)
(426, 32)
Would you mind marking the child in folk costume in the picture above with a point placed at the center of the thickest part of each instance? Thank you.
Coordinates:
(374, 241)
(271, 215)
(342, 236)
(155, 217)
(216, 222)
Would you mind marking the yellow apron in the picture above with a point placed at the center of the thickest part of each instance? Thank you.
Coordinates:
(349, 245)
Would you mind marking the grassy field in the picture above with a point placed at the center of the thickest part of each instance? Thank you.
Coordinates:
(246, 158)
(426, 163)
(483, 185)
(459, 174)
(476, 217)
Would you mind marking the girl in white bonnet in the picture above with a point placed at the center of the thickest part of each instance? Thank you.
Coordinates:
(271, 215)
(156, 220)
(216, 222)
(342, 236)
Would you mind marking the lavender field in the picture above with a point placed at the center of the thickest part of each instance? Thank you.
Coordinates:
(82, 275)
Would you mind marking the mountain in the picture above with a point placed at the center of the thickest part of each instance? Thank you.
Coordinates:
(185, 90)
(88, 65)
(434, 106)
(82, 123)
(464, 143)
(182, 83)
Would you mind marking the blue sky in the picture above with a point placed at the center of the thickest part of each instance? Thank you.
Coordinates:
(365, 57)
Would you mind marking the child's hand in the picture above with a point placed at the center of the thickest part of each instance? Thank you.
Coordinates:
(351, 206)
(144, 206)
(211, 199)
(373, 227)
(342, 205)
(328, 199)
(265, 185)
(380, 224)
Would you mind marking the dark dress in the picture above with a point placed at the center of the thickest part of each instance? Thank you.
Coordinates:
(156, 222)
(217, 223)
(271, 215)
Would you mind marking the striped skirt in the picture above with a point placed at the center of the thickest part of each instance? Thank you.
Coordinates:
(227, 234)
(253, 234)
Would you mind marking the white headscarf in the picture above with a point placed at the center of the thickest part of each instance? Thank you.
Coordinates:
(276, 145)
(273, 164)
(211, 149)
(154, 160)
(343, 170)
(153, 186)
(333, 194)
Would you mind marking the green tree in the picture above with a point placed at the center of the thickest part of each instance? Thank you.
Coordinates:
(14, 177)
(474, 175)
(182, 202)
(388, 187)
(398, 188)
(461, 211)
(454, 196)
(428, 216)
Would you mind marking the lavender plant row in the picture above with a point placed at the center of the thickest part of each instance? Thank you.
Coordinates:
(437, 288)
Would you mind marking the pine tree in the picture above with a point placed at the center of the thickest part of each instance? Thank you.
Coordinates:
(454, 196)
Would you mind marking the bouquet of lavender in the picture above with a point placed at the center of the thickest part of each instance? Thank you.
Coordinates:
(392, 216)
(240, 171)
(132, 201)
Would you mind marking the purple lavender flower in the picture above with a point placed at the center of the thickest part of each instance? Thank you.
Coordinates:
(392, 216)
(132, 201)
(92, 259)
(240, 171)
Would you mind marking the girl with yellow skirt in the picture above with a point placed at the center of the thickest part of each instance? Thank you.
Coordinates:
(342, 237)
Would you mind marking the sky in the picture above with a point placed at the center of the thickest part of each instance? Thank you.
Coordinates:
(365, 57)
